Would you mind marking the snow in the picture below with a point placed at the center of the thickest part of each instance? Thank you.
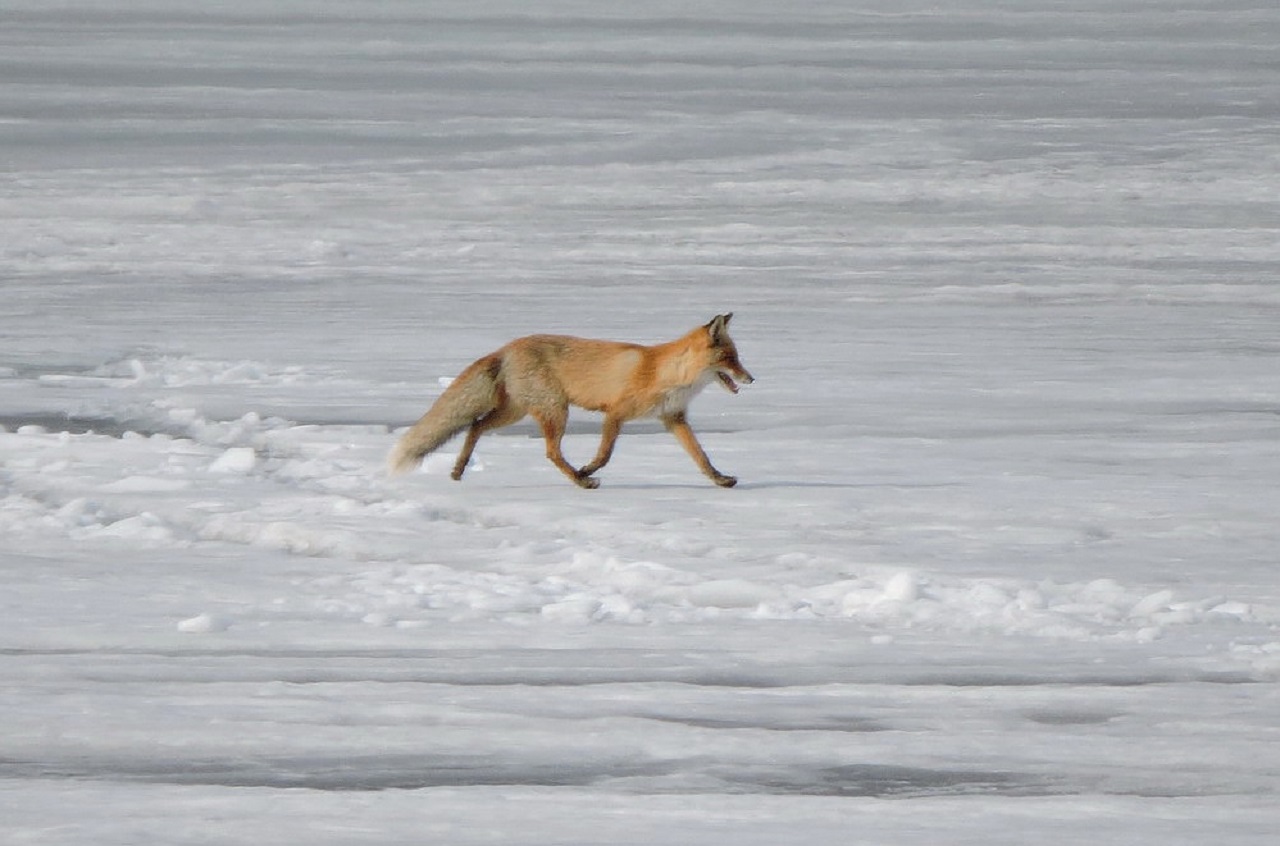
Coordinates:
(1001, 566)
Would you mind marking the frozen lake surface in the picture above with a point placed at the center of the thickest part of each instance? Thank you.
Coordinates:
(1002, 563)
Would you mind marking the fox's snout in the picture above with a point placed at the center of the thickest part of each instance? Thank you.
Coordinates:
(731, 374)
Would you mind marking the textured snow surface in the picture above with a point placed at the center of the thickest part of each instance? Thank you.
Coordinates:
(1002, 563)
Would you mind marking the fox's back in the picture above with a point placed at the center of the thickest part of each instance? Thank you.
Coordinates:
(586, 372)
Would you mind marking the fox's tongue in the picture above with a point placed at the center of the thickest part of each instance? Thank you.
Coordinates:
(727, 381)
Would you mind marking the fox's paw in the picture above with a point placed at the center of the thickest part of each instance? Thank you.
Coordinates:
(725, 481)
(588, 482)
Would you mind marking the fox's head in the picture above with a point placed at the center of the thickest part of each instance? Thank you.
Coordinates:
(724, 355)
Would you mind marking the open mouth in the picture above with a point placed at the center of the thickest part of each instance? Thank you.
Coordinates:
(727, 380)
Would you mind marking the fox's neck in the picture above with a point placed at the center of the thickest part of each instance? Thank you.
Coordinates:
(681, 363)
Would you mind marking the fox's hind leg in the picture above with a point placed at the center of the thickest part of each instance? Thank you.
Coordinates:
(552, 421)
(504, 415)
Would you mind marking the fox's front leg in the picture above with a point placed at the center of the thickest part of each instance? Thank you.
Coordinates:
(677, 425)
(609, 432)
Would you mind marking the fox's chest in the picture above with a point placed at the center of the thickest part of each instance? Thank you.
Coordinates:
(677, 399)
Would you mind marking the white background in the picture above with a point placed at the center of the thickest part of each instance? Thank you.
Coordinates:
(1002, 564)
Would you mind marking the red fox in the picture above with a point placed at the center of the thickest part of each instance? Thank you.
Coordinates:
(542, 375)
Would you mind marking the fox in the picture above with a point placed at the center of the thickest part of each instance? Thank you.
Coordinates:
(542, 375)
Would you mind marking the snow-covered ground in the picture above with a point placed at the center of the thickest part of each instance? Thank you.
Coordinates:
(1003, 566)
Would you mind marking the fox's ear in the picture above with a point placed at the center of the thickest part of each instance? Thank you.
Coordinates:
(719, 327)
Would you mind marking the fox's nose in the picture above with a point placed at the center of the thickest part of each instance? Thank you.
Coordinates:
(744, 376)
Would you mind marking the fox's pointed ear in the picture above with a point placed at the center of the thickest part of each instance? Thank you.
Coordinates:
(719, 327)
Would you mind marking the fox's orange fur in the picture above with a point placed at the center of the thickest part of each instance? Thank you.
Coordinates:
(542, 375)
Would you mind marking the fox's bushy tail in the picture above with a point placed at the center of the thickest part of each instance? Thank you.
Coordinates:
(470, 396)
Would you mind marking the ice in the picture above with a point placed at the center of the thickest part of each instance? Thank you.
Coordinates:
(204, 624)
(240, 460)
(1001, 564)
